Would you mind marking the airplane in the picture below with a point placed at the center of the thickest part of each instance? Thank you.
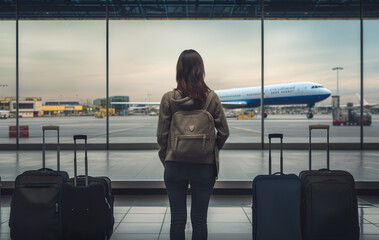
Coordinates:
(138, 106)
(370, 106)
(279, 94)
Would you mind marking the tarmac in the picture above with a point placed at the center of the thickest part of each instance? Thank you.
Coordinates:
(142, 129)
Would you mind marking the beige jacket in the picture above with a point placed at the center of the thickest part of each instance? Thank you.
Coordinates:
(173, 101)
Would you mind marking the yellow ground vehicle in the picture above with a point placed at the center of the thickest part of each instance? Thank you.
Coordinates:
(244, 116)
(103, 112)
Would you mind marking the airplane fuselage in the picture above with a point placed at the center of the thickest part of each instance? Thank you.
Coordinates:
(281, 94)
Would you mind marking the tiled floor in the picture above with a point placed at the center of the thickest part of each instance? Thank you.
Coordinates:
(240, 165)
(147, 217)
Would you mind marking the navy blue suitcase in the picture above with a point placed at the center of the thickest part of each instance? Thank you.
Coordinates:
(276, 203)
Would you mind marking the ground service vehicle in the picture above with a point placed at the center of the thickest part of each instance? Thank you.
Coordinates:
(350, 117)
(103, 112)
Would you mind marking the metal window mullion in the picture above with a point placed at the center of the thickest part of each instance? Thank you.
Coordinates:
(17, 78)
(187, 9)
(213, 6)
(107, 70)
(262, 74)
(362, 86)
(165, 6)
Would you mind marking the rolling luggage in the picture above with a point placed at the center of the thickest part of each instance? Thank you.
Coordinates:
(87, 204)
(36, 202)
(276, 203)
(329, 201)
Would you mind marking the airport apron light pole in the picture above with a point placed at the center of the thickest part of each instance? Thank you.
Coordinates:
(338, 68)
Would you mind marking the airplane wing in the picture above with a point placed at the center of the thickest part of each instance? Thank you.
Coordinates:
(135, 103)
(234, 104)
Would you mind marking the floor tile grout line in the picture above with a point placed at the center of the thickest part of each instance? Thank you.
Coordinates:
(246, 214)
(114, 230)
(164, 218)
(369, 222)
(365, 202)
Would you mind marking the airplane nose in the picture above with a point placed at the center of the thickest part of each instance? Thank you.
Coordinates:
(327, 91)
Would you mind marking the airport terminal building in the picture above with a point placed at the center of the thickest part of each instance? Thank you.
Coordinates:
(28, 106)
(297, 80)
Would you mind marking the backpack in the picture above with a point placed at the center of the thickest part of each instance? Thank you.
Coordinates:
(192, 132)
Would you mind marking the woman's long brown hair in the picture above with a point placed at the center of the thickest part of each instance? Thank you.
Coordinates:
(190, 76)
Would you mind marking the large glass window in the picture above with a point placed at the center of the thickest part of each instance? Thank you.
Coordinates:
(312, 75)
(143, 57)
(305, 62)
(62, 70)
(7, 81)
(371, 73)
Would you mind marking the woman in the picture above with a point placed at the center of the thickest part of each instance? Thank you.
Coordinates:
(190, 166)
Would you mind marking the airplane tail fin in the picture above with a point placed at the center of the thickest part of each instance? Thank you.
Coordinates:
(364, 100)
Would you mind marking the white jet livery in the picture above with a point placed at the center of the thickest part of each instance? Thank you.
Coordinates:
(280, 94)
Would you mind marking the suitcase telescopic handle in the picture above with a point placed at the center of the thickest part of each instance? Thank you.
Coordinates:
(270, 136)
(77, 137)
(275, 135)
(47, 128)
(50, 127)
(319, 126)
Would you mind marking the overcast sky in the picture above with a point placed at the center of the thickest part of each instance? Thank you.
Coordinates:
(65, 60)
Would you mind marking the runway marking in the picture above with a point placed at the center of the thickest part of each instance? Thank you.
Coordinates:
(246, 130)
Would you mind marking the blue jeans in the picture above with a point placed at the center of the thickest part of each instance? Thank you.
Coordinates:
(177, 176)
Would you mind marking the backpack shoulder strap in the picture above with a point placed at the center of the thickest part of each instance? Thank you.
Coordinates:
(208, 101)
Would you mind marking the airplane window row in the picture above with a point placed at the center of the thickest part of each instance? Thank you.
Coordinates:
(282, 88)
(233, 96)
(253, 94)
(286, 91)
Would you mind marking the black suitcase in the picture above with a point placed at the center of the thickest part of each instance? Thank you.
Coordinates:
(36, 202)
(329, 201)
(276, 203)
(87, 205)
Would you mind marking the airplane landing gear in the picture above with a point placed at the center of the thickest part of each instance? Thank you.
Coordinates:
(310, 115)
